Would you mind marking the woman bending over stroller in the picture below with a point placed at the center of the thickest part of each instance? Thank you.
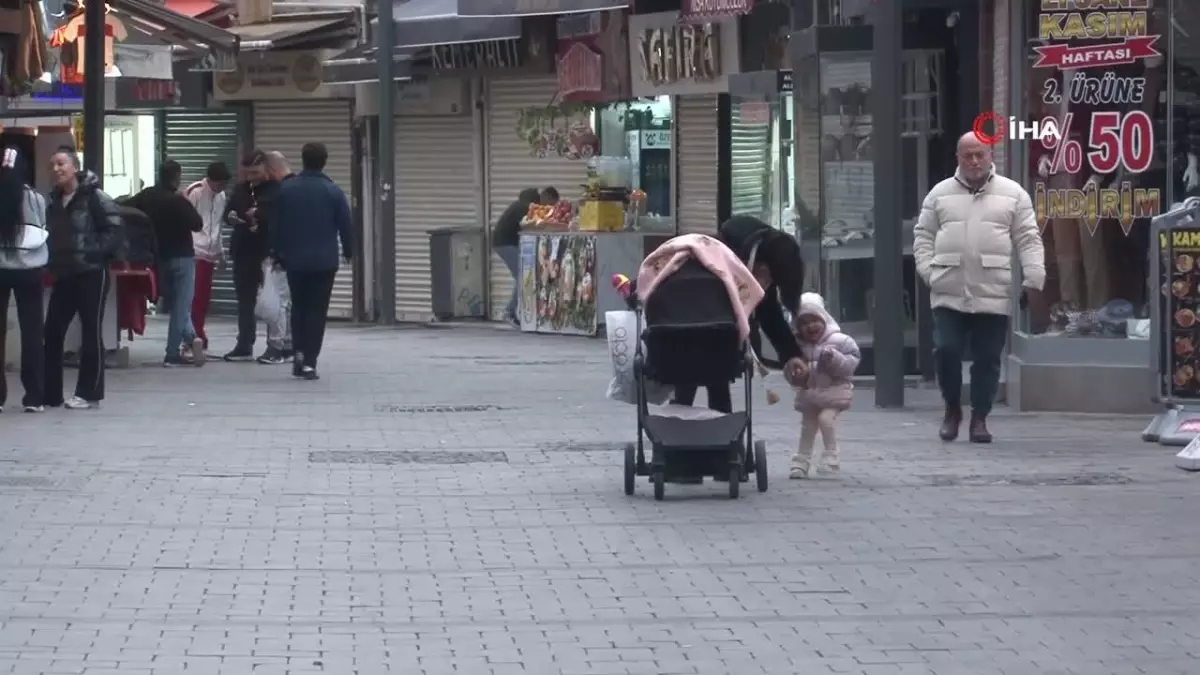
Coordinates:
(820, 376)
(779, 269)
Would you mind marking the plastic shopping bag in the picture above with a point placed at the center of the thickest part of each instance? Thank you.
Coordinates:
(622, 347)
(269, 308)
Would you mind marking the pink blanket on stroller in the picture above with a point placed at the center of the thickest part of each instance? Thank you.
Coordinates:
(744, 291)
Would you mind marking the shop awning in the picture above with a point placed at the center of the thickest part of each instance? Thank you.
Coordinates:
(171, 26)
(428, 23)
(511, 8)
(360, 65)
(286, 32)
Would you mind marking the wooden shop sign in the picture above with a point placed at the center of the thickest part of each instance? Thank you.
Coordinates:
(679, 53)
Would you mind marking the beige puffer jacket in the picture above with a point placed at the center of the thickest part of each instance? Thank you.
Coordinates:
(964, 241)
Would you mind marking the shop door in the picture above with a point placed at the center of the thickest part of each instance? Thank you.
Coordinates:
(437, 186)
(286, 126)
(512, 166)
(696, 147)
(196, 139)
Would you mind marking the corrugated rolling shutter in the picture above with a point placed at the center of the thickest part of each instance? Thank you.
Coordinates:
(750, 171)
(696, 147)
(286, 126)
(195, 139)
(511, 167)
(435, 181)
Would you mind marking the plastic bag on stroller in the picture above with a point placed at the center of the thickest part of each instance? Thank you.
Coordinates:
(622, 328)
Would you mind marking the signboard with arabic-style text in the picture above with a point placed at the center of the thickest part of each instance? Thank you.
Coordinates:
(667, 57)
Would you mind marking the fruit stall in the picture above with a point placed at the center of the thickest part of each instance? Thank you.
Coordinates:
(569, 251)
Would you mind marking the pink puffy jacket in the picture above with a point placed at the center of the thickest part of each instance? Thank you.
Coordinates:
(831, 361)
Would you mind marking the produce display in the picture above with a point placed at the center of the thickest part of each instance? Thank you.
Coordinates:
(548, 214)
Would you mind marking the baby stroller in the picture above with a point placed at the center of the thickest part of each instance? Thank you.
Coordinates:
(691, 338)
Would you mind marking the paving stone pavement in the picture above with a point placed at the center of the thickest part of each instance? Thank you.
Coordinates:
(204, 522)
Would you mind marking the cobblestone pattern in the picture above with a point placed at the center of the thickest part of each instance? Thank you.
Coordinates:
(183, 530)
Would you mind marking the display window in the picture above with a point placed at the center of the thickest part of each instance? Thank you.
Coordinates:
(1124, 98)
(641, 131)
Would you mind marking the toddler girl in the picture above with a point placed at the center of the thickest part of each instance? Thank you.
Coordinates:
(821, 379)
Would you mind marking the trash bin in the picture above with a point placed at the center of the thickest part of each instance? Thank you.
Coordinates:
(456, 272)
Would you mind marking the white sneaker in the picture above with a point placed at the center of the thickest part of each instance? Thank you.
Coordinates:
(34, 408)
(199, 356)
(830, 469)
(76, 403)
(798, 472)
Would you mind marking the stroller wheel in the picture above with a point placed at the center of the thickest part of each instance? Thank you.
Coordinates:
(735, 480)
(660, 485)
(630, 468)
(760, 465)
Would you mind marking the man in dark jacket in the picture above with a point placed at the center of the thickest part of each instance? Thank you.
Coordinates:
(506, 241)
(779, 268)
(246, 213)
(174, 220)
(309, 216)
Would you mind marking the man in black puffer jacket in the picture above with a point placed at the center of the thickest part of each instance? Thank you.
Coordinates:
(248, 246)
(86, 237)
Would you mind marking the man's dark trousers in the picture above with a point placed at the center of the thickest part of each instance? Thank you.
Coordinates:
(247, 280)
(310, 308)
(983, 336)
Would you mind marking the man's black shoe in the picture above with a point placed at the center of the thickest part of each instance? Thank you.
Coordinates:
(239, 354)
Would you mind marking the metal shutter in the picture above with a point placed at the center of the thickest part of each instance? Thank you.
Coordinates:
(696, 148)
(750, 170)
(511, 168)
(195, 139)
(436, 176)
(286, 126)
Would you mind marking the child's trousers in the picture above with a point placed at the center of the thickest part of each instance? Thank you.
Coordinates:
(812, 422)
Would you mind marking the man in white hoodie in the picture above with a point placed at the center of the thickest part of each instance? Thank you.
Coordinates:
(208, 196)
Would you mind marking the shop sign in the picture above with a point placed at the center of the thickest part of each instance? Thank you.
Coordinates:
(592, 61)
(532, 52)
(215, 62)
(70, 38)
(675, 58)
(137, 93)
(1092, 169)
(700, 10)
(274, 75)
(681, 53)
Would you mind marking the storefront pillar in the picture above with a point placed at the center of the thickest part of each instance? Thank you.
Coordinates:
(885, 102)
(93, 89)
(385, 265)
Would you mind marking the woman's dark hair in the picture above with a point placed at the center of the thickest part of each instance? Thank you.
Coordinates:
(69, 151)
(780, 252)
(12, 197)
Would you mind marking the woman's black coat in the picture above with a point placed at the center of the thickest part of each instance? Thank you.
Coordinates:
(780, 253)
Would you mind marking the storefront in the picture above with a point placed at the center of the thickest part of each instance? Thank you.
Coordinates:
(543, 128)
(292, 105)
(695, 85)
(1123, 83)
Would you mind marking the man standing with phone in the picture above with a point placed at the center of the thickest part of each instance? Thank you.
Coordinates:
(248, 246)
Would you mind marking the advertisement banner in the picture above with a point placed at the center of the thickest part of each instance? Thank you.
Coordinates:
(566, 284)
(1097, 84)
(1182, 316)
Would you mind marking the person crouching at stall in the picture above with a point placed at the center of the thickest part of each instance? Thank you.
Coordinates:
(821, 377)
(86, 235)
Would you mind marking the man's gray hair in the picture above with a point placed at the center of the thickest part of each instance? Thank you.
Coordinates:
(278, 164)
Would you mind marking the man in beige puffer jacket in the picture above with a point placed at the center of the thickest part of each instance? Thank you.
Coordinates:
(963, 245)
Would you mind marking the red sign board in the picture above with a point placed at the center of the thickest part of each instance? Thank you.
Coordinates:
(580, 72)
(702, 10)
(592, 57)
